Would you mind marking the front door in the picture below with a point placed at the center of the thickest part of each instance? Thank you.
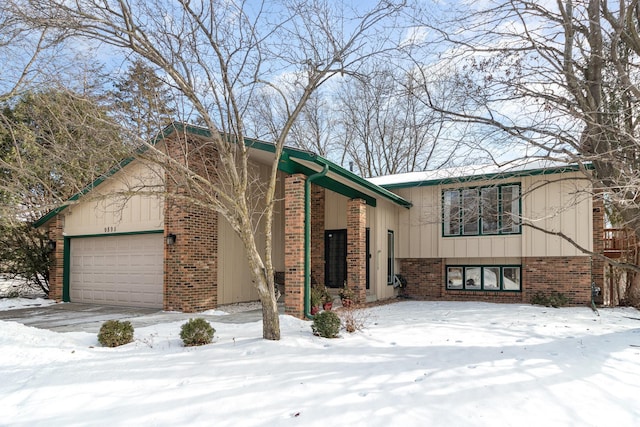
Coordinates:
(335, 255)
(368, 263)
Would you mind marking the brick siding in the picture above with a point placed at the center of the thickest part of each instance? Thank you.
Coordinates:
(190, 265)
(56, 269)
(356, 248)
(424, 276)
(294, 245)
(598, 266)
(317, 233)
(570, 276)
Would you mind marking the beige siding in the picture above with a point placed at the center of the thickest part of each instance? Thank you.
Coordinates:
(420, 226)
(111, 210)
(383, 218)
(554, 202)
(335, 216)
(234, 277)
(557, 204)
(278, 226)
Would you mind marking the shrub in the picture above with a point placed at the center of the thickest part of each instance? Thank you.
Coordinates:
(114, 333)
(196, 332)
(539, 299)
(555, 300)
(353, 319)
(326, 324)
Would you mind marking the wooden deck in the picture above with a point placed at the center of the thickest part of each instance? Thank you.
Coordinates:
(618, 241)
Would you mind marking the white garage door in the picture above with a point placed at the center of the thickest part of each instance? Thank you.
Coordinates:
(117, 270)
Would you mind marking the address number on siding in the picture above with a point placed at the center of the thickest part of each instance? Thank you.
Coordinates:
(109, 229)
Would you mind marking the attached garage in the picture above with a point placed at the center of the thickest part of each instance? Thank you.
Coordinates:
(117, 270)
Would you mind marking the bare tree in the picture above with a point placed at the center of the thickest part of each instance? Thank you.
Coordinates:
(220, 56)
(554, 80)
(387, 128)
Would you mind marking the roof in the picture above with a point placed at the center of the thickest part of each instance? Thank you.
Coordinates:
(470, 173)
(292, 161)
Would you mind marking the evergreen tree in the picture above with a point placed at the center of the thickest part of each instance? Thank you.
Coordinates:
(52, 144)
(144, 100)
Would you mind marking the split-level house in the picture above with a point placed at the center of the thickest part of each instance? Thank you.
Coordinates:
(486, 233)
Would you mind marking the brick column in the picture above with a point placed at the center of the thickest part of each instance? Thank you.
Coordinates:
(56, 268)
(294, 244)
(317, 233)
(356, 248)
(598, 265)
(191, 264)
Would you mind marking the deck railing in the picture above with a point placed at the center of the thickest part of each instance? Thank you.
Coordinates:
(618, 240)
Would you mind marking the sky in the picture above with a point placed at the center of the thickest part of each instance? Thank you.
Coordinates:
(413, 364)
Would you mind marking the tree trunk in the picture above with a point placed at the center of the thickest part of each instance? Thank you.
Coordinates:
(270, 318)
(266, 291)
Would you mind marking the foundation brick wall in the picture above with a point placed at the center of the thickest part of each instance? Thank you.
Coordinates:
(356, 248)
(317, 234)
(56, 268)
(424, 276)
(294, 245)
(191, 264)
(570, 276)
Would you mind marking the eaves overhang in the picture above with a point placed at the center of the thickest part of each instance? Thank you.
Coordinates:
(292, 160)
(487, 176)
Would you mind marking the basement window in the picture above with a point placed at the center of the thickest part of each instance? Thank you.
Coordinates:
(484, 278)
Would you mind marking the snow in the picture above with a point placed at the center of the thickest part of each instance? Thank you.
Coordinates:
(468, 171)
(415, 364)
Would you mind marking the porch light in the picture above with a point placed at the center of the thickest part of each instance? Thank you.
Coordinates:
(51, 245)
(171, 239)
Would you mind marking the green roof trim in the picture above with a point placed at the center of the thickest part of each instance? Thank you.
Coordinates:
(286, 164)
(487, 176)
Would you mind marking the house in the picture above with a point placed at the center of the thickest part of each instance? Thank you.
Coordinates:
(451, 234)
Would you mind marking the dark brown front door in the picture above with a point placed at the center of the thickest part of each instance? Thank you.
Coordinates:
(335, 255)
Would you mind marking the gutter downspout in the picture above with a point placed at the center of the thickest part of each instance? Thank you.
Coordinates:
(307, 238)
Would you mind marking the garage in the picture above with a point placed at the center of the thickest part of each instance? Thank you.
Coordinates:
(117, 270)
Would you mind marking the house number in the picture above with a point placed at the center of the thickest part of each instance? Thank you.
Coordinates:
(109, 229)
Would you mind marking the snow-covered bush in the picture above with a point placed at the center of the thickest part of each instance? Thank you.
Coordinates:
(114, 333)
(326, 324)
(196, 332)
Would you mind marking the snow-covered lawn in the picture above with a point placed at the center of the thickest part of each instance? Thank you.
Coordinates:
(416, 364)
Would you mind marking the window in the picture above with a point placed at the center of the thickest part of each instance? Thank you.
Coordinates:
(454, 278)
(511, 209)
(472, 278)
(390, 258)
(470, 208)
(451, 212)
(490, 210)
(511, 278)
(484, 278)
(481, 211)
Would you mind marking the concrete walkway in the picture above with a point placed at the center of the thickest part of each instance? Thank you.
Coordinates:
(75, 317)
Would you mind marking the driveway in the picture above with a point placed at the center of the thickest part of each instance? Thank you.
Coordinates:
(75, 317)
